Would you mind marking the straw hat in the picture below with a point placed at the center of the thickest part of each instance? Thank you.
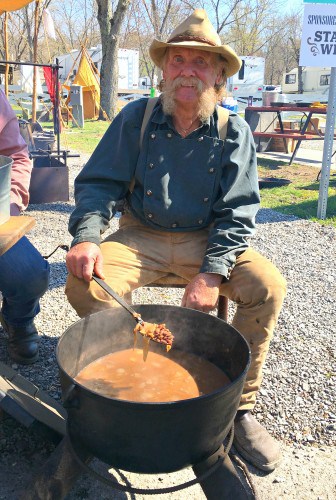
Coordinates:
(196, 32)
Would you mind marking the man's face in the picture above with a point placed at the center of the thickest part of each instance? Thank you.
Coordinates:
(194, 71)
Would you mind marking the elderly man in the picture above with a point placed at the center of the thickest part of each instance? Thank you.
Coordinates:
(192, 196)
(24, 274)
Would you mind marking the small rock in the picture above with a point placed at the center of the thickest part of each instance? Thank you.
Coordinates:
(278, 479)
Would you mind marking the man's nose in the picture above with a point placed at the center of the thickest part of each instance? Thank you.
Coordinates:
(188, 70)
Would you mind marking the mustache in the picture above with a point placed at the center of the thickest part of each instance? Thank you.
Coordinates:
(182, 81)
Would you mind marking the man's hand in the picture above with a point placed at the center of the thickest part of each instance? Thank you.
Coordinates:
(84, 259)
(202, 292)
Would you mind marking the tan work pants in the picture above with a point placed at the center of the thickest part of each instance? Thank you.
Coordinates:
(137, 255)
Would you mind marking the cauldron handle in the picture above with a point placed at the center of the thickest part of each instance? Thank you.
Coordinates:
(154, 491)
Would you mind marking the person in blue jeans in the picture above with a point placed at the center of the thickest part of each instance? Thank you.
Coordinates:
(24, 274)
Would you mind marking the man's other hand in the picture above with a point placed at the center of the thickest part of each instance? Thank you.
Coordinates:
(202, 292)
(83, 259)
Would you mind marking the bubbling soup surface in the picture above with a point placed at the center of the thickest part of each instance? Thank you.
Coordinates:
(124, 375)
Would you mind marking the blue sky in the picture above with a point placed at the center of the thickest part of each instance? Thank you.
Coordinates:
(293, 6)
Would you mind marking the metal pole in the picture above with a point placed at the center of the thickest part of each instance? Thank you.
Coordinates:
(57, 124)
(6, 51)
(327, 148)
(34, 103)
(21, 63)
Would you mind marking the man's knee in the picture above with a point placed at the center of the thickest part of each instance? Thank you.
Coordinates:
(34, 284)
(87, 298)
(76, 291)
(257, 281)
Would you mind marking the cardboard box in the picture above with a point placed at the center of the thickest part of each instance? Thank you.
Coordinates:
(313, 122)
(277, 144)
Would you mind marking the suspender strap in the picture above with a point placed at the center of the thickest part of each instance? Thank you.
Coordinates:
(148, 111)
(223, 119)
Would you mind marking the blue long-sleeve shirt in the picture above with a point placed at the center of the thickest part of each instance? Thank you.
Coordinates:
(179, 184)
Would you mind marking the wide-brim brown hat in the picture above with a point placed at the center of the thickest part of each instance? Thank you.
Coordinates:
(196, 32)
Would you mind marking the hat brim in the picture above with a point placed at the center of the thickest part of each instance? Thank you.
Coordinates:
(232, 62)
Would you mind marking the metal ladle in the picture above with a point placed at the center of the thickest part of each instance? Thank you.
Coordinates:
(126, 306)
(118, 298)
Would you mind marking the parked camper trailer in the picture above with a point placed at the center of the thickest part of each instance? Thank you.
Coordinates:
(315, 82)
(128, 62)
(249, 80)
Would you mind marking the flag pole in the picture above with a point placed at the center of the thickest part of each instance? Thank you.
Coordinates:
(6, 51)
(35, 60)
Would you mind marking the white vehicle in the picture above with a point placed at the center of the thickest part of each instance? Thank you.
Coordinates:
(146, 83)
(272, 88)
(249, 80)
(315, 81)
(128, 61)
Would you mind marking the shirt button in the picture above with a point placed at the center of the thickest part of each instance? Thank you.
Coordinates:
(152, 136)
(211, 170)
(200, 139)
(174, 224)
(205, 200)
(150, 216)
(151, 165)
(149, 192)
(169, 135)
(200, 221)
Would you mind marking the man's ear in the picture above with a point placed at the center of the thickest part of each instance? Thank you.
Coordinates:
(220, 78)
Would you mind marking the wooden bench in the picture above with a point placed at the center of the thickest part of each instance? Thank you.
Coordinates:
(289, 135)
(291, 131)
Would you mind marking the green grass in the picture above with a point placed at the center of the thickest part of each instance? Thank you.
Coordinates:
(84, 140)
(299, 198)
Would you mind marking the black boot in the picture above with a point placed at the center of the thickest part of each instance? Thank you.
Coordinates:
(23, 342)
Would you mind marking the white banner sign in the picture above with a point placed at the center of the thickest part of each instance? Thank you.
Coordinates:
(318, 44)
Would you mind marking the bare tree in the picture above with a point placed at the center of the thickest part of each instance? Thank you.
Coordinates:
(282, 51)
(110, 24)
(77, 23)
(294, 23)
(21, 30)
(249, 34)
(155, 19)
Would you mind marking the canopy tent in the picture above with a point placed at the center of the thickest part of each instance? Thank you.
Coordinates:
(86, 77)
(11, 5)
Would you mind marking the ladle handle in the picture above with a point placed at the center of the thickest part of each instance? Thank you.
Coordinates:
(117, 297)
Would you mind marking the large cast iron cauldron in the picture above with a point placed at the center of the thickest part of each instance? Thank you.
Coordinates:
(151, 437)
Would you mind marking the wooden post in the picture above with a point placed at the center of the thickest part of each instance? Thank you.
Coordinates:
(6, 52)
(37, 2)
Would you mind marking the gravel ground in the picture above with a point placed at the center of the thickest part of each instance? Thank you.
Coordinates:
(297, 399)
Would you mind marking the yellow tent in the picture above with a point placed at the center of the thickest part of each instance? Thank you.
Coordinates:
(11, 5)
(91, 90)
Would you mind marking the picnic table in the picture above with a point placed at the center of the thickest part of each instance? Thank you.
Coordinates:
(284, 133)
